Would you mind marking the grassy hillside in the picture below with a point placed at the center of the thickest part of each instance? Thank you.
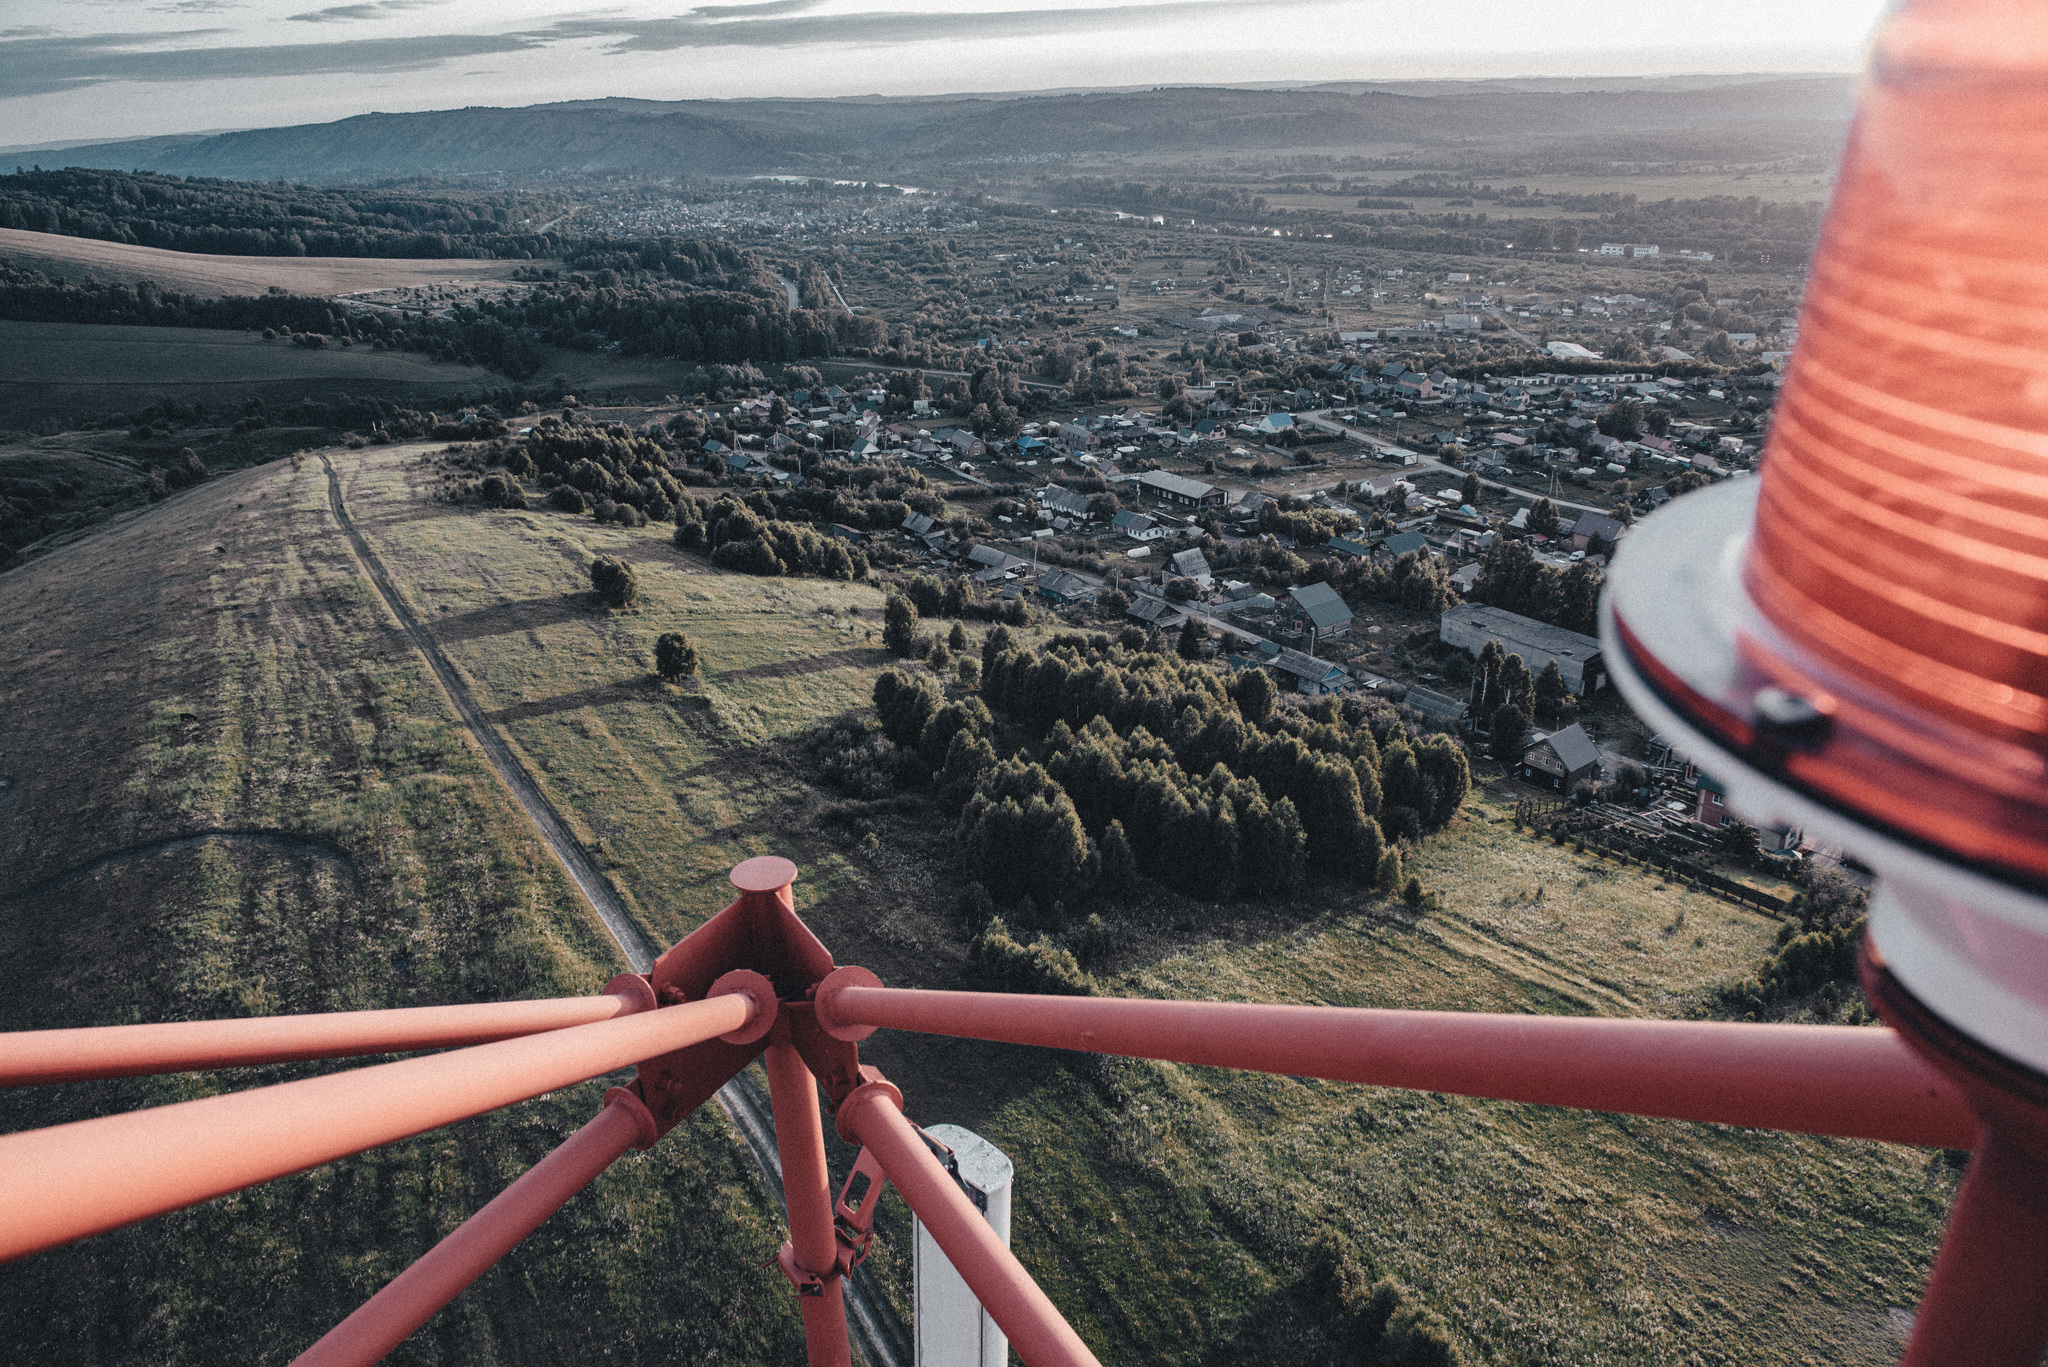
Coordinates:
(713, 137)
(198, 274)
(1174, 1213)
(220, 665)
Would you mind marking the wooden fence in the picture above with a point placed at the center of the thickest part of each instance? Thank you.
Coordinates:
(1650, 857)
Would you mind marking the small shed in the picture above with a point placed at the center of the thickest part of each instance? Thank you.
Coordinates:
(1441, 708)
(1308, 674)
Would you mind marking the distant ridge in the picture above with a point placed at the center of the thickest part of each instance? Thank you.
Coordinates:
(1681, 118)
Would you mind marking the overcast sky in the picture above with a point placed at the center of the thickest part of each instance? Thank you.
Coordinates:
(121, 68)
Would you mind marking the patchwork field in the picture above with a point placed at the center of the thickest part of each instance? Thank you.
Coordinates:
(246, 681)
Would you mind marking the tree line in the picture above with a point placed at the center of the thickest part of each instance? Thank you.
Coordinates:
(243, 218)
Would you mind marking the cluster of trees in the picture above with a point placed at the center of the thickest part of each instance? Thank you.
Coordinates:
(742, 533)
(674, 657)
(1506, 694)
(1511, 577)
(724, 309)
(1748, 228)
(926, 597)
(1166, 197)
(1148, 764)
(1416, 581)
(28, 295)
(739, 316)
(874, 496)
(242, 218)
(1306, 524)
(598, 469)
(1814, 963)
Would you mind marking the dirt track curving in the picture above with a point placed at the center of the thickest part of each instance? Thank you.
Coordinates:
(881, 1337)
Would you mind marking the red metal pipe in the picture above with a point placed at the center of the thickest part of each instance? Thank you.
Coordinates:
(1852, 1082)
(417, 1294)
(39, 1056)
(1986, 1304)
(807, 1190)
(1038, 1332)
(69, 1181)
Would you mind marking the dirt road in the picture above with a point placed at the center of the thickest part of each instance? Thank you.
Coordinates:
(881, 1337)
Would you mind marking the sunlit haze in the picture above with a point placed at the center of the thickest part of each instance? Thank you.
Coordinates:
(121, 69)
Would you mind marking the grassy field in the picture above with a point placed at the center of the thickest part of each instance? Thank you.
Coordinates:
(209, 276)
(131, 368)
(220, 665)
(1168, 1210)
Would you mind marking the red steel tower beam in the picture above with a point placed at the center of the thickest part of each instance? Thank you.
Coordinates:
(417, 1294)
(873, 1116)
(58, 1180)
(42, 1056)
(1855, 1083)
(807, 1191)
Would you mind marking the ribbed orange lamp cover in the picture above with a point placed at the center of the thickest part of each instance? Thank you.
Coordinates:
(1901, 534)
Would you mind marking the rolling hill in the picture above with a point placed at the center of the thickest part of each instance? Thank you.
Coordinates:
(1760, 117)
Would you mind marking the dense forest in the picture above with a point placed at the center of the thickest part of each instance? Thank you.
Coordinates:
(242, 218)
(1138, 763)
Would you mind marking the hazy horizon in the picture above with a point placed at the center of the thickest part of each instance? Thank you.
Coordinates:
(115, 69)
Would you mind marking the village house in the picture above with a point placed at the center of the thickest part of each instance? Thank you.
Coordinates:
(1319, 610)
(1155, 612)
(1563, 760)
(1440, 708)
(1592, 528)
(1137, 526)
(1711, 804)
(1062, 587)
(1172, 488)
(1078, 438)
(1063, 502)
(1393, 547)
(994, 566)
(1190, 564)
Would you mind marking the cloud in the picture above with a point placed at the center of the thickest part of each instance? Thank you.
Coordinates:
(40, 63)
(345, 14)
(43, 66)
(783, 23)
(196, 7)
